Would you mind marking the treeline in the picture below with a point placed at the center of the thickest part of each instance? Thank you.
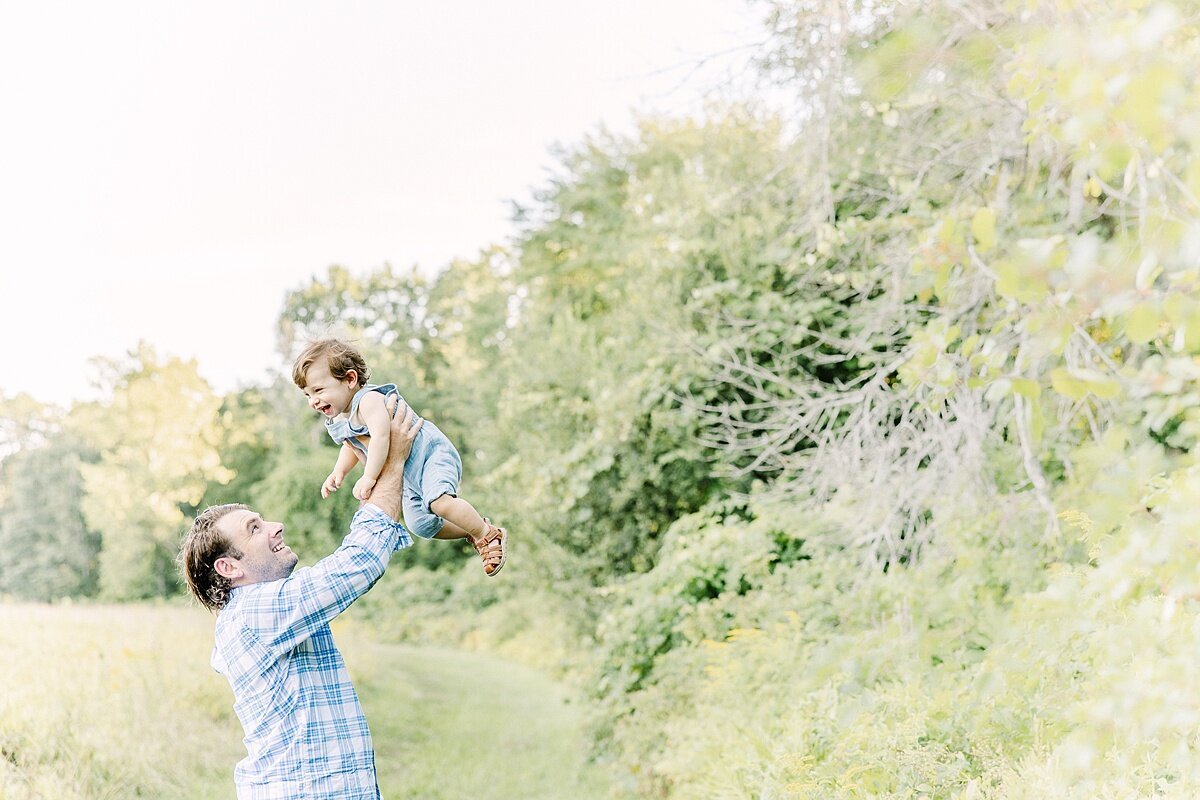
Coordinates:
(848, 452)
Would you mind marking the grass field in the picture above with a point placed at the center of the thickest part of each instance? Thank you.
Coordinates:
(119, 702)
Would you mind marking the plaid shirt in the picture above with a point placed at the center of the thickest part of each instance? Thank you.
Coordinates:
(306, 736)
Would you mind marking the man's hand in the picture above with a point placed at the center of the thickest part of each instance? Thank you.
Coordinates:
(389, 488)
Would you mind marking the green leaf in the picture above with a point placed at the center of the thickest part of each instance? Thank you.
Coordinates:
(1077, 385)
(983, 228)
(1027, 388)
(1142, 323)
(1008, 282)
(941, 280)
(1037, 422)
(1178, 307)
(1191, 332)
(1067, 385)
(948, 232)
(1104, 388)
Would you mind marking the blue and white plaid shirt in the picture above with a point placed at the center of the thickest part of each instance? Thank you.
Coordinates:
(306, 736)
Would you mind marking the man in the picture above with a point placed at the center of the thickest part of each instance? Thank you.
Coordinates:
(306, 736)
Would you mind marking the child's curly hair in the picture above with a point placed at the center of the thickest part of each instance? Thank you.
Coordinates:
(339, 355)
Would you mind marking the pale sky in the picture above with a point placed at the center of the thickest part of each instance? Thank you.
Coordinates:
(169, 170)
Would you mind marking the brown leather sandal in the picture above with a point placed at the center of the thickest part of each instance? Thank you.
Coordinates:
(492, 548)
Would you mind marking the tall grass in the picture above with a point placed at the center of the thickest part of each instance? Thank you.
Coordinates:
(108, 702)
(112, 702)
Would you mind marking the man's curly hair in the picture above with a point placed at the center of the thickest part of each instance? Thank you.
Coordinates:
(202, 546)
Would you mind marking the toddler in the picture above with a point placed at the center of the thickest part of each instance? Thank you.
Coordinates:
(333, 375)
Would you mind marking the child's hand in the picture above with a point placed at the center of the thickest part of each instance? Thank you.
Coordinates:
(363, 487)
(331, 484)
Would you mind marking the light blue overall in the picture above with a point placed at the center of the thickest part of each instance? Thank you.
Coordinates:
(433, 468)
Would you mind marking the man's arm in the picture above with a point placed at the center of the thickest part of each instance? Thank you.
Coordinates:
(285, 613)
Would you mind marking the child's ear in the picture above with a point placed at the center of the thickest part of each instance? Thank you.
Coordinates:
(351, 377)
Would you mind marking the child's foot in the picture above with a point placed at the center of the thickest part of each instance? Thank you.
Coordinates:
(492, 548)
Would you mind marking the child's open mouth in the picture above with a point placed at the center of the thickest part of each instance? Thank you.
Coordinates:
(325, 409)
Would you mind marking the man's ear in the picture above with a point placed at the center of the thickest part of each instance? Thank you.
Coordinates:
(228, 568)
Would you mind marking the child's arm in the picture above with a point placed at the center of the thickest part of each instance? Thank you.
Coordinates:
(347, 458)
(372, 410)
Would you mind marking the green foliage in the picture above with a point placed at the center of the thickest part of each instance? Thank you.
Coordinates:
(132, 708)
(247, 447)
(709, 562)
(47, 550)
(850, 454)
(468, 322)
(384, 307)
(1007, 658)
(663, 276)
(25, 423)
(385, 313)
(291, 491)
(155, 439)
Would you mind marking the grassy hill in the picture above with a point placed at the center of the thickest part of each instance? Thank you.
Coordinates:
(111, 702)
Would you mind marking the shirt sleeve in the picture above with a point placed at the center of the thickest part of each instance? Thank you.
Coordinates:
(286, 612)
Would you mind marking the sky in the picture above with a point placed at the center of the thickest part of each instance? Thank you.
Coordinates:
(168, 171)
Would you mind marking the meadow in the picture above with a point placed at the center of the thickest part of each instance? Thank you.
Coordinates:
(105, 702)
(849, 449)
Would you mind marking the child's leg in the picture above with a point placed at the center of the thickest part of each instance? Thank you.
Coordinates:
(461, 518)
(489, 541)
(419, 520)
(451, 531)
(440, 474)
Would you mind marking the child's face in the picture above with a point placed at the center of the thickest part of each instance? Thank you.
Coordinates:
(326, 394)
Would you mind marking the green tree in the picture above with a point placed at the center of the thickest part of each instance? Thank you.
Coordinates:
(300, 457)
(658, 278)
(468, 322)
(1019, 183)
(156, 437)
(384, 312)
(387, 315)
(26, 423)
(247, 444)
(47, 550)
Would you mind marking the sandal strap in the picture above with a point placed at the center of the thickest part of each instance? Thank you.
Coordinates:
(490, 547)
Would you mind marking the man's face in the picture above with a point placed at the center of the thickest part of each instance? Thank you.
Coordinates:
(264, 555)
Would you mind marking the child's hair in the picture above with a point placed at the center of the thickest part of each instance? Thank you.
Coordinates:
(340, 357)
